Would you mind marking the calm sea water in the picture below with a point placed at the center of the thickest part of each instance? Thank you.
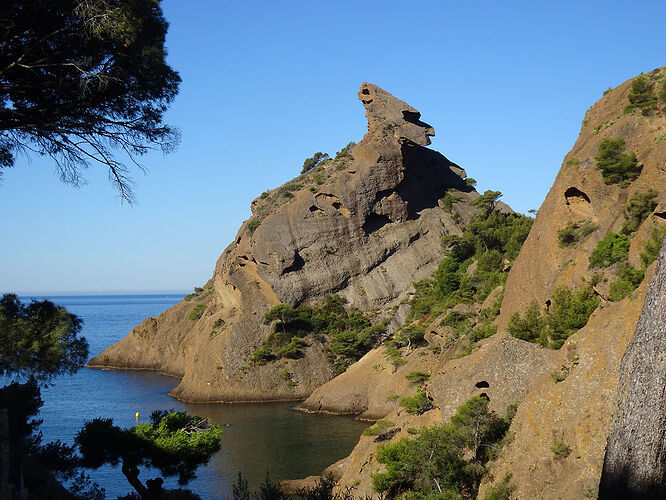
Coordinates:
(259, 437)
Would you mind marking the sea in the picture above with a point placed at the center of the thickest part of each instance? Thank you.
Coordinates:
(258, 439)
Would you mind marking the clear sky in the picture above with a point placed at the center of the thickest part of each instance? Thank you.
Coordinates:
(505, 84)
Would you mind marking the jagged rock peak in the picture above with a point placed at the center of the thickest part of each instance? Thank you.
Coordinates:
(386, 114)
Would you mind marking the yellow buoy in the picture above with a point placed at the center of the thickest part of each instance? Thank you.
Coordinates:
(137, 415)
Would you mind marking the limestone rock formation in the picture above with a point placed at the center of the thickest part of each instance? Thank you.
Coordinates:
(635, 461)
(364, 225)
(565, 397)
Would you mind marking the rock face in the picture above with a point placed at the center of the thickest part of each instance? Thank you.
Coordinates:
(579, 194)
(364, 225)
(635, 462)
(575, 412)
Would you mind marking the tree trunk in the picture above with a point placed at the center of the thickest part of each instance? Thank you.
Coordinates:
(635, 462)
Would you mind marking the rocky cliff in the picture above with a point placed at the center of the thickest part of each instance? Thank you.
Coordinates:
(565, 396)
(363, 225)
(368, 223)
(635, 461)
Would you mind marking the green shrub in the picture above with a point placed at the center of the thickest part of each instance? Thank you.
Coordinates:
(531, 326)
(652, 246)
(560, 450)
(470, 181)
(628, 280)
(392, 397)
(417, 378)
(253, 224)
(572, 161)
(313, 161)
(345, 152)
(615, 165)
(411, 335)
(642, 95)
(293, 349)
(611, 249)
(448, 200)
(394, 354)
(416, 405)
(446, 461)
(263, 195)
(197, 312)
(482, 331)
(319, 178)
(637, 210)
(379, 427)
(501, 491)
(454, 318)
(262, 356)
(574, 232)
(569, 312)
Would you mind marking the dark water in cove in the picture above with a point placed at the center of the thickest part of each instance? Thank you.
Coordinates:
(260, 437)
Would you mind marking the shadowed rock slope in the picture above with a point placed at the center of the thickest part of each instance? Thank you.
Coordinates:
(363, 225)
(635, 461)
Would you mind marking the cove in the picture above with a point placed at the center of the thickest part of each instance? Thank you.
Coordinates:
(257, 438)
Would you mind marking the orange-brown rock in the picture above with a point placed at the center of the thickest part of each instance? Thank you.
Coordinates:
(364, 225)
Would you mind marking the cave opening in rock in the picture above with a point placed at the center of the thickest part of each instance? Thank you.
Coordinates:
(575, 195)
(482, 384)
(374, 222)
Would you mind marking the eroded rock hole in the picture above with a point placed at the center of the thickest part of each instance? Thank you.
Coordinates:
(375, 222)
(296, 265)
(412, 117)
(414, 238)
(661, 215)
(315, 209)
(482, 385)
(575, 195)
(365, 92)
(484, 396)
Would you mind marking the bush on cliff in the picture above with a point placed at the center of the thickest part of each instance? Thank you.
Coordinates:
(637, 210)
(347, 333)
(616, 166)
(446, 461)
(568, 312)
(611, 249)
(313, 161)
(574, 232)
(642, 95)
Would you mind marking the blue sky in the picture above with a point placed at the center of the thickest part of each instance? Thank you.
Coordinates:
(266, 84)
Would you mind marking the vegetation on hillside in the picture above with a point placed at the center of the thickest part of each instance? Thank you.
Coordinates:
(575, 232)
(568, 312)
(475, 263)
(347, 333)
(637, 210)
(642, 95)
(446, 461)
(617, 167)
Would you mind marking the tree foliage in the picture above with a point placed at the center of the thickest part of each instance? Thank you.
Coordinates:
(175, 443)
(637, 210)
(313, 161)
(642, 95)
(617, 167)
(82, 79)
(568, 313)
(39, 340)
(611, 249)
(348, 333)
(446, 461)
